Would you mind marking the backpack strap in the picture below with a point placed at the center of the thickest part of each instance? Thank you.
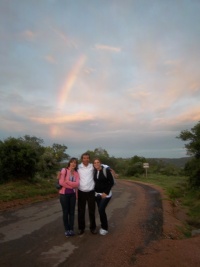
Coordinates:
(104, 172)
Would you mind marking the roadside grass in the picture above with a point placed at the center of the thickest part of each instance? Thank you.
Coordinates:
(178, 192)
(17, 190)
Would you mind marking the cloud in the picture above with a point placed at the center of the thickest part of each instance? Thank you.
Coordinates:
(29, 35)
(64, 37)
(107, 48)
(50, 59)
(78, 117)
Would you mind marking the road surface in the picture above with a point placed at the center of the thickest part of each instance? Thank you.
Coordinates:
(34, 236)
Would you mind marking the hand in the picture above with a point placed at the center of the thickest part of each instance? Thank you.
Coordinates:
(104, 195)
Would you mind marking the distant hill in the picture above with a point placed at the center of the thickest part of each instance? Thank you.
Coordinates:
(179, 162)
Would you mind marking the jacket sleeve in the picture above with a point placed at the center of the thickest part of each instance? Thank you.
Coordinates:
(110, 182)
(63, 179)
(73, 184)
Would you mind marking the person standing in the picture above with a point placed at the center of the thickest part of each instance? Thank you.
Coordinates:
(69, 180)
(86, 194)
(103, 183)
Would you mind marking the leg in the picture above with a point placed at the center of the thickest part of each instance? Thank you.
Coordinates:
(72, 211)
(102, 204)
(81, 209)
(64, 201)
(91, 209)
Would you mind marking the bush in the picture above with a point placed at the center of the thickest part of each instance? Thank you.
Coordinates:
(18, 160)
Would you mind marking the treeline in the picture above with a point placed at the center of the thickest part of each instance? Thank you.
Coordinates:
(27, 158)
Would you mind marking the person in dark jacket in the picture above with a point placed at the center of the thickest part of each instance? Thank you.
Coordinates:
(103, 183)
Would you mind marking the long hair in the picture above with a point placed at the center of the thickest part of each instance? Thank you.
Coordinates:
(73, 160)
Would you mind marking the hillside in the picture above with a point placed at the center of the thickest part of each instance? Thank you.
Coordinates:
(179, 162)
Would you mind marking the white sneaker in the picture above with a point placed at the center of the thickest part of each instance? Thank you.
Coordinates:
(103, 232)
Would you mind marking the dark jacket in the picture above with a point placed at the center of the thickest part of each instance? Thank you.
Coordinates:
(103, 184)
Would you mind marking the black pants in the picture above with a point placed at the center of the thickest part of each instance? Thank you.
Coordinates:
(83, 199)
(102, 204)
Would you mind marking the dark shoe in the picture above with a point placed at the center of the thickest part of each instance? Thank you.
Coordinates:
(93, 231)
(71, 233)
(80, 232)
(67, 233)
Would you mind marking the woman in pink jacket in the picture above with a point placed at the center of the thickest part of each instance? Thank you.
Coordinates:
(69, 180)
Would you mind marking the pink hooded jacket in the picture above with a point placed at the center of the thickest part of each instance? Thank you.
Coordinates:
(65, 180)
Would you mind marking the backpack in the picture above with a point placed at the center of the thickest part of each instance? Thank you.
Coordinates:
(57, 185)
(105, 174)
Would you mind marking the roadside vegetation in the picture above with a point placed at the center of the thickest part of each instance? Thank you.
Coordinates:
(28, 169)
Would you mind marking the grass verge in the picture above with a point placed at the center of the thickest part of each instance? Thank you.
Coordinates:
(18, 190)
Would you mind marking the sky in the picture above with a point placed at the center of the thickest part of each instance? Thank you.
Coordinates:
(119, 75)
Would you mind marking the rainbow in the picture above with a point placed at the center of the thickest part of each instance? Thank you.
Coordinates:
(70, 80)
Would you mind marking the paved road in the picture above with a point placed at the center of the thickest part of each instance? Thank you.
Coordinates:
(34, 235)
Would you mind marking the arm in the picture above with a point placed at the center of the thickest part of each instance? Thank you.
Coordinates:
(73, 184)
(63, 179)
(110, 183)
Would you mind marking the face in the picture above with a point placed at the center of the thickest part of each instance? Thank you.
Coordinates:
(73, 164)
(97, 164)
(86, 160)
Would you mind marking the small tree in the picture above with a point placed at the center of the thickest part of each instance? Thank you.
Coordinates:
(18, 160)
(135, 166)
(192, 167)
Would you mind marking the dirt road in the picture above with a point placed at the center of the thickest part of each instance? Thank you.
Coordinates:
(143, 231)
(33, 235)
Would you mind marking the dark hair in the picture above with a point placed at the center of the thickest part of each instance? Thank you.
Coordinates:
(72, 160)
(97, 159)
(85, 154)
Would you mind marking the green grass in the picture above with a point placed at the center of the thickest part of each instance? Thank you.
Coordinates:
(24, 189)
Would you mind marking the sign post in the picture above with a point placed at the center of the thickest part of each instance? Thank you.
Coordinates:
(146, 166)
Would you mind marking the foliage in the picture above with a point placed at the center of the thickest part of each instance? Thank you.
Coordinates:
(159, 166)
(25, 157)
(193, 138)
(58, 152)
(135, 166)
(192, 168)
(103, 155)
(18, 159)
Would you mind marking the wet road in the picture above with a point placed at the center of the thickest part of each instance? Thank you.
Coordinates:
(34, 235)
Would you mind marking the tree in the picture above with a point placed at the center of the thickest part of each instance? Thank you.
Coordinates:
(135, 166)
(48, 163)
(18, 159)
(192, 167)
(59, 152)
(22, 158)
(193, 136)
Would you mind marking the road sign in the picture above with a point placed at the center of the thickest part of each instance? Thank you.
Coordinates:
(145, 165)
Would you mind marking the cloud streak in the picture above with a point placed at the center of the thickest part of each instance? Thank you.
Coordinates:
(108, 48)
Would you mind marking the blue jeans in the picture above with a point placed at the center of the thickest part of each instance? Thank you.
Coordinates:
(102, 204)
(68, 203)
